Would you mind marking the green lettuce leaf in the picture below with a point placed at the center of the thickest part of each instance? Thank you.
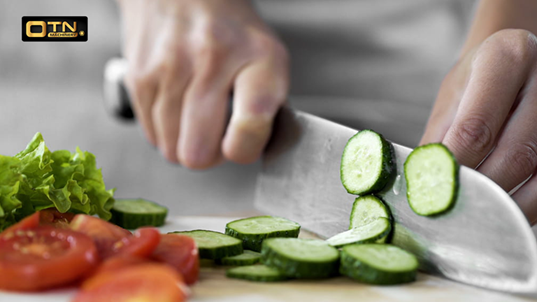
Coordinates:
(10, 180)
(37, 179)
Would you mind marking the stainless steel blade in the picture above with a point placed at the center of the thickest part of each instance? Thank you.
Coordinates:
(485, 240)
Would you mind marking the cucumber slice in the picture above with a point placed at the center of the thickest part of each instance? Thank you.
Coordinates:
(214, 245)
(366, 163)
(366, 209)
(381, 264)
(246, 258)
(252, 231)
(300, 258)
(260, 273)
(432, 184)
(375, 230)
(135, 213)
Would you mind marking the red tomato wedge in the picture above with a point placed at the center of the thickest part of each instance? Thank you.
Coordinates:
(144, 282)
(44, 257)
(180, 252)
(141, 244)
(117, 263)
(44, 217)
(103, 233)
(28, 222)
(53, 217)
(112, 240)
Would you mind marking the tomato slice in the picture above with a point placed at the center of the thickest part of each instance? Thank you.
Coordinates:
(142, 283)
(44, 217)
(141, 244)
(44, 257)
(180, 252)
(53, 217)
(103, 233)
(120, 262)
(112, 240)
(115, 264)
(28, 222)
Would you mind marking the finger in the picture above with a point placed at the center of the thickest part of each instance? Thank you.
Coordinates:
(447, 102)
(142, 90)
(204, 111)
(175, 71)
(514, 158)
(259, 90)
(526, 197)
(442, 115)
(166, 111)
(498, 73)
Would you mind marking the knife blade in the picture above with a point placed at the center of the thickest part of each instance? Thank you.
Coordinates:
(484, 240)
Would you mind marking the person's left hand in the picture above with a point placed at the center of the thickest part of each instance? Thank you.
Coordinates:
(486, 113)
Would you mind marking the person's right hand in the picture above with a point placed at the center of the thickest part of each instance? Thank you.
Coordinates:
(185, 58)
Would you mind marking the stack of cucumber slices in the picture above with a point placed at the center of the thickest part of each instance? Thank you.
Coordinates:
(367, 164)
(431, 172)
(285, 257)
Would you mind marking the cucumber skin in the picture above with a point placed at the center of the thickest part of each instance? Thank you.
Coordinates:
(232, 274)
(238, 262)
(387, 167)
(243, 262)
(298, 269)
(215, 253)
(255, 241)
(362, 272)
(455, 183)
(127, 220)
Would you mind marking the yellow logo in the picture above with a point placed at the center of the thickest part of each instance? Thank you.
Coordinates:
(55, 32)
(54, 28)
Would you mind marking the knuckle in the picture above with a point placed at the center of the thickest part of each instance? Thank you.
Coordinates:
(257, 115)
(252, 124)
(518, 46)
(210, 41)
(523, 157)
(201, 93)
(475, 135)
(267, 44)
(157, 111)
(264, 107)
(169, 62)
(138, 83)
(209, 50)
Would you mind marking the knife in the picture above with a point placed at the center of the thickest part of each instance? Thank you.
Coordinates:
(484, 240)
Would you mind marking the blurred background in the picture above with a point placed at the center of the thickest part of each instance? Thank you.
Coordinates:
(366, 64)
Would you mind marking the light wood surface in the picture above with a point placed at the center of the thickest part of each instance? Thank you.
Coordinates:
(215, 286)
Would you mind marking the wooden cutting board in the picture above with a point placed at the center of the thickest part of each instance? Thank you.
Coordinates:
(215, 286)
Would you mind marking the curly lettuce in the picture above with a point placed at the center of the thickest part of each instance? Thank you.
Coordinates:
(37, 179)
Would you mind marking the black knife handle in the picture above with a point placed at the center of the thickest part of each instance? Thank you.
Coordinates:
(116, 96)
